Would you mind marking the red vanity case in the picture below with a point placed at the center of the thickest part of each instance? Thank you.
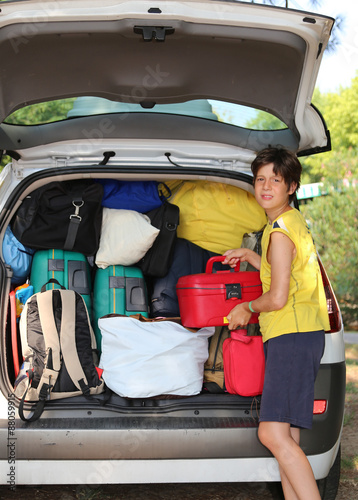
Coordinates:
(206, 299)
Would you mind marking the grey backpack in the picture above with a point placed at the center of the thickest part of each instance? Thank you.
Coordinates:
(59, 351)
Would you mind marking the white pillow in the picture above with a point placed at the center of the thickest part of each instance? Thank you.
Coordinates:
(126, 236)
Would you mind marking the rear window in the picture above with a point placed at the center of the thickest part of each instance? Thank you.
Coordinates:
(63, 109)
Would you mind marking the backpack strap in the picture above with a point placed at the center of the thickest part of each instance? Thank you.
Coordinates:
(38, 408)
(68, 342)
(213, 388)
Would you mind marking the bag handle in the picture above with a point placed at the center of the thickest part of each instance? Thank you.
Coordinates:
(52, 280)
(219, 258)
(164, 196)
(241, 335)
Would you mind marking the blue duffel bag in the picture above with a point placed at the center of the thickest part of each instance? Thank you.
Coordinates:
(141, 196)
(17, 256)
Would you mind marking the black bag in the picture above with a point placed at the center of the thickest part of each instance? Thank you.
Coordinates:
(64, 215)
(188, 258)
(157, 260)
(59, 350)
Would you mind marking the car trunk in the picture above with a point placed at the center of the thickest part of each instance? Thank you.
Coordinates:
(179, 417)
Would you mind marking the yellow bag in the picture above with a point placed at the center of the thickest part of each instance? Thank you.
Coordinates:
(214, 215)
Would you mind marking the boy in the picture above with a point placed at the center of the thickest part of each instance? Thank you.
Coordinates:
(293, 317)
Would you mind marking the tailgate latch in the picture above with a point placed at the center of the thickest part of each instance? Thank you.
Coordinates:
(157, 33)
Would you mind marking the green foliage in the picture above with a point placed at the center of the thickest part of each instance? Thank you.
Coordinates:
(43, 112)
(4, 161)
(340, 111)
(334, 223)
(334, 218)
(265, 121)
(338, 170)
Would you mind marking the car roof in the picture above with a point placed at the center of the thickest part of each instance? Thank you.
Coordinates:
(149, 53)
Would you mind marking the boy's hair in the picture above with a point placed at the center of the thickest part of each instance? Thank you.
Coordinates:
(285, 163)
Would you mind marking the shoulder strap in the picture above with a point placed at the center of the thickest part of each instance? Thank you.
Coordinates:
(213, 387)
(75, 221)
(68, 341)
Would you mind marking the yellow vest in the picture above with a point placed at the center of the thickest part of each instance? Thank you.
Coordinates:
(306, 307)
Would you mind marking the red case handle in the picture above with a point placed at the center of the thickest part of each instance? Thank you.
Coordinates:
(240, 334)
(218, 258)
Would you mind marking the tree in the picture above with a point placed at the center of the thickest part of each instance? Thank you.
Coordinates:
(334, 217)
(334, 223)
(44, 112)
(340, 111)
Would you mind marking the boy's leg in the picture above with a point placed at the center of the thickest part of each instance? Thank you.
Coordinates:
(288, 491)
(298, 479)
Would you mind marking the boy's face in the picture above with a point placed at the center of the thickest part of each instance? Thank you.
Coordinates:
(271, 191)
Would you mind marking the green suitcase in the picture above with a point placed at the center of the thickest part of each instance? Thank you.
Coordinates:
(70, 269)
(119, 290)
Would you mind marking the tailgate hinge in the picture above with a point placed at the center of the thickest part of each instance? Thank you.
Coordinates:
(60, 161)
(18, 171)
(227, 164)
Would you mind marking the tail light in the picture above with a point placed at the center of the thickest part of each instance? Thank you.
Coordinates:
(334, 314)
(319, 406)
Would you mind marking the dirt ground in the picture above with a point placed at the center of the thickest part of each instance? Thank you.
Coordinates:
(349, 472)
(348, 489)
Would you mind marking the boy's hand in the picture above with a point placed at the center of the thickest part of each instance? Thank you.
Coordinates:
(233, 257)
(239, 316)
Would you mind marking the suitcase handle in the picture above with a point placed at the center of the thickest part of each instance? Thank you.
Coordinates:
(219, 258)
(241, 335)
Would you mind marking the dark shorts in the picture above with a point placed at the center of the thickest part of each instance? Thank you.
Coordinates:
(292, 363)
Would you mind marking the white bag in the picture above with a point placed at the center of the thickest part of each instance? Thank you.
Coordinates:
(126, 236)
(145, 359)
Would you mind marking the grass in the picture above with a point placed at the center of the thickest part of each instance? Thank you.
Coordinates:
(88, 493)
(351, 388)
(352, 351)
(350, 463)
(349, 469)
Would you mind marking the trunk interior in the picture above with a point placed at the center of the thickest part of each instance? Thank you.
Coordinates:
(204, 202)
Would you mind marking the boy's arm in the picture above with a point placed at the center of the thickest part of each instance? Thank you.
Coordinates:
(243, 255)
(280, 255)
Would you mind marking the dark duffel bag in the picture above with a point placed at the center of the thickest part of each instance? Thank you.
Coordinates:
(158, 259)
(64, 215)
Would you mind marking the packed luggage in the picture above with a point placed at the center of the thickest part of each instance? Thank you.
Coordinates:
(132, 272)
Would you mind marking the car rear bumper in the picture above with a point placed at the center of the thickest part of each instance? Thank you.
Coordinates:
(119, 471)
(204, 426)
